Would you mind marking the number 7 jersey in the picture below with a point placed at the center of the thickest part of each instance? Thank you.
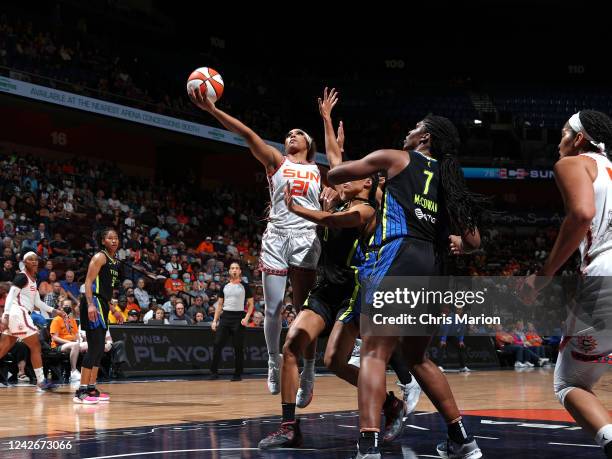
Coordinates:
(305, 184)
(410, 206)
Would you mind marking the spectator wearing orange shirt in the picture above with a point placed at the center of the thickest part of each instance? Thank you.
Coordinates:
(534, 342)
(206, 246)
(132, 305)
(65, 337)
(174, 284)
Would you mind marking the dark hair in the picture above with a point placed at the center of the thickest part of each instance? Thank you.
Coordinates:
(464, 209)
(598, 125)
(102, 235)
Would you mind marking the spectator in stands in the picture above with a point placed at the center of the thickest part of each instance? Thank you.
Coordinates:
(160, 315)
(534, 342)
(53, 298)
(290, 318)
(71, 287)
(186, 282)
(173, 265)
(65, 337)
(46, 286)
(43, 249)
(520, 339)
(173, 284)
(169, 305)
(59, 247)
(141, 294)
(7, 274)
(43, 274)
(198, 318)
(504, 341)
(206, 247)
(118, 305)
(41, 233)
(257, 321)
(197, 306)
(133, 316)
(132, 305)
(179, 314)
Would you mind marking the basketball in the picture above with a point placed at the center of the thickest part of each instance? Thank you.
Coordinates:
(208, 80)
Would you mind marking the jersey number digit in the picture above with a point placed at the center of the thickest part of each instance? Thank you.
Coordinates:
(299, 188)
(609, 172)
(429, 175)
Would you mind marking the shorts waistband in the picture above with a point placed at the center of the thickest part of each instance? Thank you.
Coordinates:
(291, 232)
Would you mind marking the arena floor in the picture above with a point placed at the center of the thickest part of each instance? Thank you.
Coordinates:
(512, 413)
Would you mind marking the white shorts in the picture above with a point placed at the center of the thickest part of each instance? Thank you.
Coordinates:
(282, 249)
(585, 353)
(20, 324)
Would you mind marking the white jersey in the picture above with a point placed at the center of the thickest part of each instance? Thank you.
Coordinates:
(596, 247)
(305, 182)
(24, 294)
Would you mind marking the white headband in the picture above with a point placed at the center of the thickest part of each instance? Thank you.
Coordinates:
(30, 254)
(577, 126)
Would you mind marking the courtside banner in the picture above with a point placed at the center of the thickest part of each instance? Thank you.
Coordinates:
(184, 349)
(100, 107)
(487, 306)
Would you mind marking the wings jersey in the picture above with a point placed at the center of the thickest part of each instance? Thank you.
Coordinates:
(305, 183)
(596, 247)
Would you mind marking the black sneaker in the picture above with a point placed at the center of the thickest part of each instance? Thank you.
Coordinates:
(236, 378)
(288, 436)
(213, 376)
(372, 453)
(394, 418)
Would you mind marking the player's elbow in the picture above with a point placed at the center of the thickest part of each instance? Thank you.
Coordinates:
(582, 216)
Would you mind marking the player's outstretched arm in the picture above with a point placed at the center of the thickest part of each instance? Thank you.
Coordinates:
(266, 154)
(333, 148)
(379, 160)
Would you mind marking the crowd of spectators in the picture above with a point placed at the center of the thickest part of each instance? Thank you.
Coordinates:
(177, 242)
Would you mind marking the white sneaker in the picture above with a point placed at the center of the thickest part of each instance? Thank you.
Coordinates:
(529, 364)
(464, 370)
(451, 450)
(543, 361)
(274, 367)
(306, 389)
(412, 393)
(75, 375)
(441, 369)
(23, 379)
(355, 359)
(518, 364)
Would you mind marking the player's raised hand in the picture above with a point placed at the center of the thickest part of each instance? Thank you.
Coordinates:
(328, 102)
(200, 100)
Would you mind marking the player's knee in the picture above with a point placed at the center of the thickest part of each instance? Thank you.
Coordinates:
(291, 348)
(564, 385)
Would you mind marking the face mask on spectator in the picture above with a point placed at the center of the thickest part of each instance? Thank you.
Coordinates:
(174, 276)
(201, 278)
(186, 279)
(67, 310)
(207, 277)
(217, 278)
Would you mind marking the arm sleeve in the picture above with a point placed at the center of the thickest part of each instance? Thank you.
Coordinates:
(10, 299)
(222, 292)
(40, 304)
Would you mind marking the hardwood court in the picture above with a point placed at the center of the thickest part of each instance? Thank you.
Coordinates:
(525, 395)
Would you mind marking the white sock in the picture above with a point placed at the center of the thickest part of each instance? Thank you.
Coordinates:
(604, 435)
(40, 375)
(309, 366)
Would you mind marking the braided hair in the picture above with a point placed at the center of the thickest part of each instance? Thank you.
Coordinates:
(598, 125)
(465, 210)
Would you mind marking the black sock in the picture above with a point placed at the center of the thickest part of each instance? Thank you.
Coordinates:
(389, 400)
(91, 387)
(368, 441)
(288, 412)
(457, 432)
